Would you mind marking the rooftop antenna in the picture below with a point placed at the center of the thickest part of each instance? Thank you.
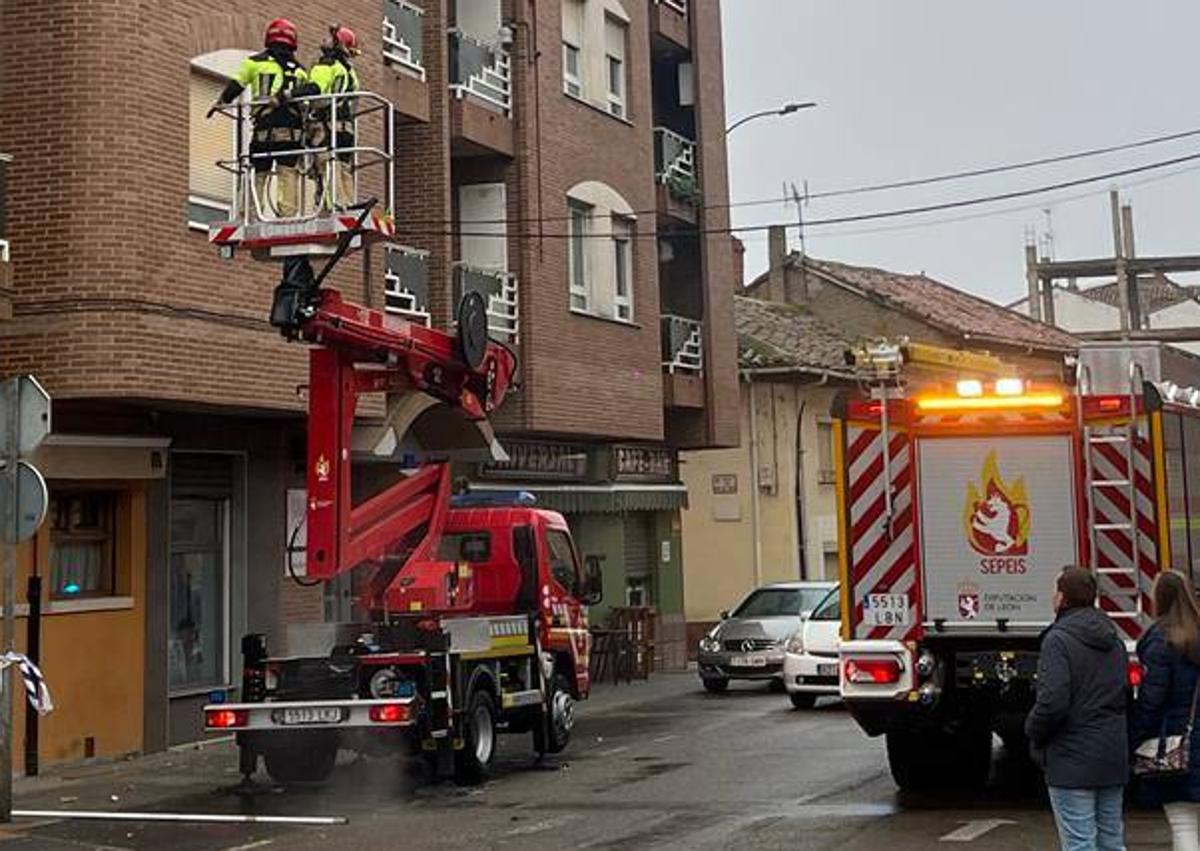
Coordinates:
(1048, 237)
(800, 201)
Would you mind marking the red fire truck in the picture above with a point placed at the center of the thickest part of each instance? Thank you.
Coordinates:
(474, 608)
(960, 499)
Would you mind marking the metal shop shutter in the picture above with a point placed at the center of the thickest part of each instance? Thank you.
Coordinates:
(201, 475)
(639, 544)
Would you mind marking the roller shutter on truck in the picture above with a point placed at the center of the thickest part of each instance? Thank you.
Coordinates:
(998, 521)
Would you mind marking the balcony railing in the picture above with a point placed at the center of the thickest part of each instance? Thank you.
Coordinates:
(499, 291)
(406, 283)
(481, 70)
(675, 164)
(679, 6)
(403, 39)
(683, 345)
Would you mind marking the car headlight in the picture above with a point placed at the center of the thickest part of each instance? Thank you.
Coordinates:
(710, 644)
(795, 644)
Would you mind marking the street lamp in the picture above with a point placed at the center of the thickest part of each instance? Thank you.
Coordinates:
(786, 109)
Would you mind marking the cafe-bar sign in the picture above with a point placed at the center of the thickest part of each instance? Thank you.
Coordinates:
(644, 463)
(530, 460)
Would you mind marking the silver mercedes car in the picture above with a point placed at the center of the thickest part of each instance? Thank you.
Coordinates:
(748, 643)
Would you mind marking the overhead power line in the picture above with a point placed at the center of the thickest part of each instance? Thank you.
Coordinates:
(874, 187)
(837, 220)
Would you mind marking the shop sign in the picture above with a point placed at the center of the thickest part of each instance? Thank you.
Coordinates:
(644, 463)
(530, 460)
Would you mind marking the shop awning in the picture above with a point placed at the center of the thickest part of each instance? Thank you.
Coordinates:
(598, 499)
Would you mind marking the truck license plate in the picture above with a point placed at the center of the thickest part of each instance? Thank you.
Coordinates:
(748, 661)
(309, 715)
(827, 670)
(886, 610)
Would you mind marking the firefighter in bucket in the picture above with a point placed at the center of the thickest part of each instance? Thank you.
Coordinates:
(331, 122)
(273, 77)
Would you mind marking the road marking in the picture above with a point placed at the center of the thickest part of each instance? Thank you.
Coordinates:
(537, 826)
(262, 843)
(972, 830)
(613, 751)
(662, 739)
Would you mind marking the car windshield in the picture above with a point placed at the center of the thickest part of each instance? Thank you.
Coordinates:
(780, 602)
(829, 609)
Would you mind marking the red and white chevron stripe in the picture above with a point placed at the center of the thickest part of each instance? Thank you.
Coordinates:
(1120, 592)
(882, 560)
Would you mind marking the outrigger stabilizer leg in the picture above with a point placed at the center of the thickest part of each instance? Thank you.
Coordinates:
(296, 296)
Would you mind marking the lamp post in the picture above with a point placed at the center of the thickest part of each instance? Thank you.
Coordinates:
(786, 109)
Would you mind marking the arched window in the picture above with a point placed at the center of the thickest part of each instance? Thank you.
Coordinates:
(210, 140)
(600, 255)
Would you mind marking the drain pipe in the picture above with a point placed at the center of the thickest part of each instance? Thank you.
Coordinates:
(754, 491)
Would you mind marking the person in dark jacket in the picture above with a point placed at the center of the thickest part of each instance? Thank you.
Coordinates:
(1077, 728)
(1169, 652)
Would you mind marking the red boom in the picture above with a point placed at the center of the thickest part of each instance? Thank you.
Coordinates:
(367, 351)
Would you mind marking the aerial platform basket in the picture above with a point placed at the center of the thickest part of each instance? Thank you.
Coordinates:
(327, 207)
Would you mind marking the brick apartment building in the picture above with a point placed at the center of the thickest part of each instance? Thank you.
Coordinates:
(560, 157)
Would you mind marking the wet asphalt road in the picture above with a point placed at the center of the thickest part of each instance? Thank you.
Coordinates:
(661, 765)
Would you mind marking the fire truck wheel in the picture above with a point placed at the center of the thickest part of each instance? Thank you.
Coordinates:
(561, 721)
(304, 759)
(479, 739)
(917, 759)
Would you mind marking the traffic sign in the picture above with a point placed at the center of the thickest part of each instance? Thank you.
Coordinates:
(33, 413)
(32, 500)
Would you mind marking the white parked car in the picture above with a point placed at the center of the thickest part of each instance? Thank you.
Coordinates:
(810, 660)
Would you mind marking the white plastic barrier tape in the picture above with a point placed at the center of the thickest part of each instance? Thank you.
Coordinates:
(35, 684)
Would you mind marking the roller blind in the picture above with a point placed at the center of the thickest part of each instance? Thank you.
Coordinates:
(210, 140)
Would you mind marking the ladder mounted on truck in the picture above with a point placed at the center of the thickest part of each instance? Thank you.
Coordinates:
(1110, 452)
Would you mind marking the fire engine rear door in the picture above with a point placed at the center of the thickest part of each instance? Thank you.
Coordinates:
(997, 523)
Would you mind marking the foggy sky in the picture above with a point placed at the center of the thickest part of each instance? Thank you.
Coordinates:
(920, 87)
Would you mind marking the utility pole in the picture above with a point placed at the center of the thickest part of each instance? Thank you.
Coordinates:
(1122, 268)
(1127, 266)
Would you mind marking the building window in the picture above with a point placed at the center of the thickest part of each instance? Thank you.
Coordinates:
(572, 35)
(614, 40)
(825, 472)
(572, 82)
(199, 593)
(623, 266)
(83, 544)
(211, 141)
(600, 249)
(581, 215)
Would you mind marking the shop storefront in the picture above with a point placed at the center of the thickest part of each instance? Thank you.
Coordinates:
(623, 503)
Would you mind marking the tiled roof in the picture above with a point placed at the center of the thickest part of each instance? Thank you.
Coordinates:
(784, 335)
(943, 306)
(1154, 293)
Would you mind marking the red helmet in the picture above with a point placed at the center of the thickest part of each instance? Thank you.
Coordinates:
(345, 38)
(281, 31)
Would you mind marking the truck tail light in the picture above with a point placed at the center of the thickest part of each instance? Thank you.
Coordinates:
(389, 713)
(225, 719)
(1133, 673)
(872, 671)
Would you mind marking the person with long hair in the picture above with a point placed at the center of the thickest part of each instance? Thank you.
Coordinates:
(1169, 652)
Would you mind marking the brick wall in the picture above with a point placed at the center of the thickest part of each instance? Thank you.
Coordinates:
(115, 297)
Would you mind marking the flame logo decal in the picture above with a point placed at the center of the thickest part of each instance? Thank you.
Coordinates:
(996, 515)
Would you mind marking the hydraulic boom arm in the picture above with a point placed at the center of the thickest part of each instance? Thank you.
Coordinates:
(361, 350)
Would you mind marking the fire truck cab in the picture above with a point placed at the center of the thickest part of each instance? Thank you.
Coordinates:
(959, 503)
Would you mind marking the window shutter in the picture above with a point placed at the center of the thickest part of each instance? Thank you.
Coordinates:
(211, 140)
(614, 38)
(572, 30)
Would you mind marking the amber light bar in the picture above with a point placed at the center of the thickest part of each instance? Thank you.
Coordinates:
(975, 403)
